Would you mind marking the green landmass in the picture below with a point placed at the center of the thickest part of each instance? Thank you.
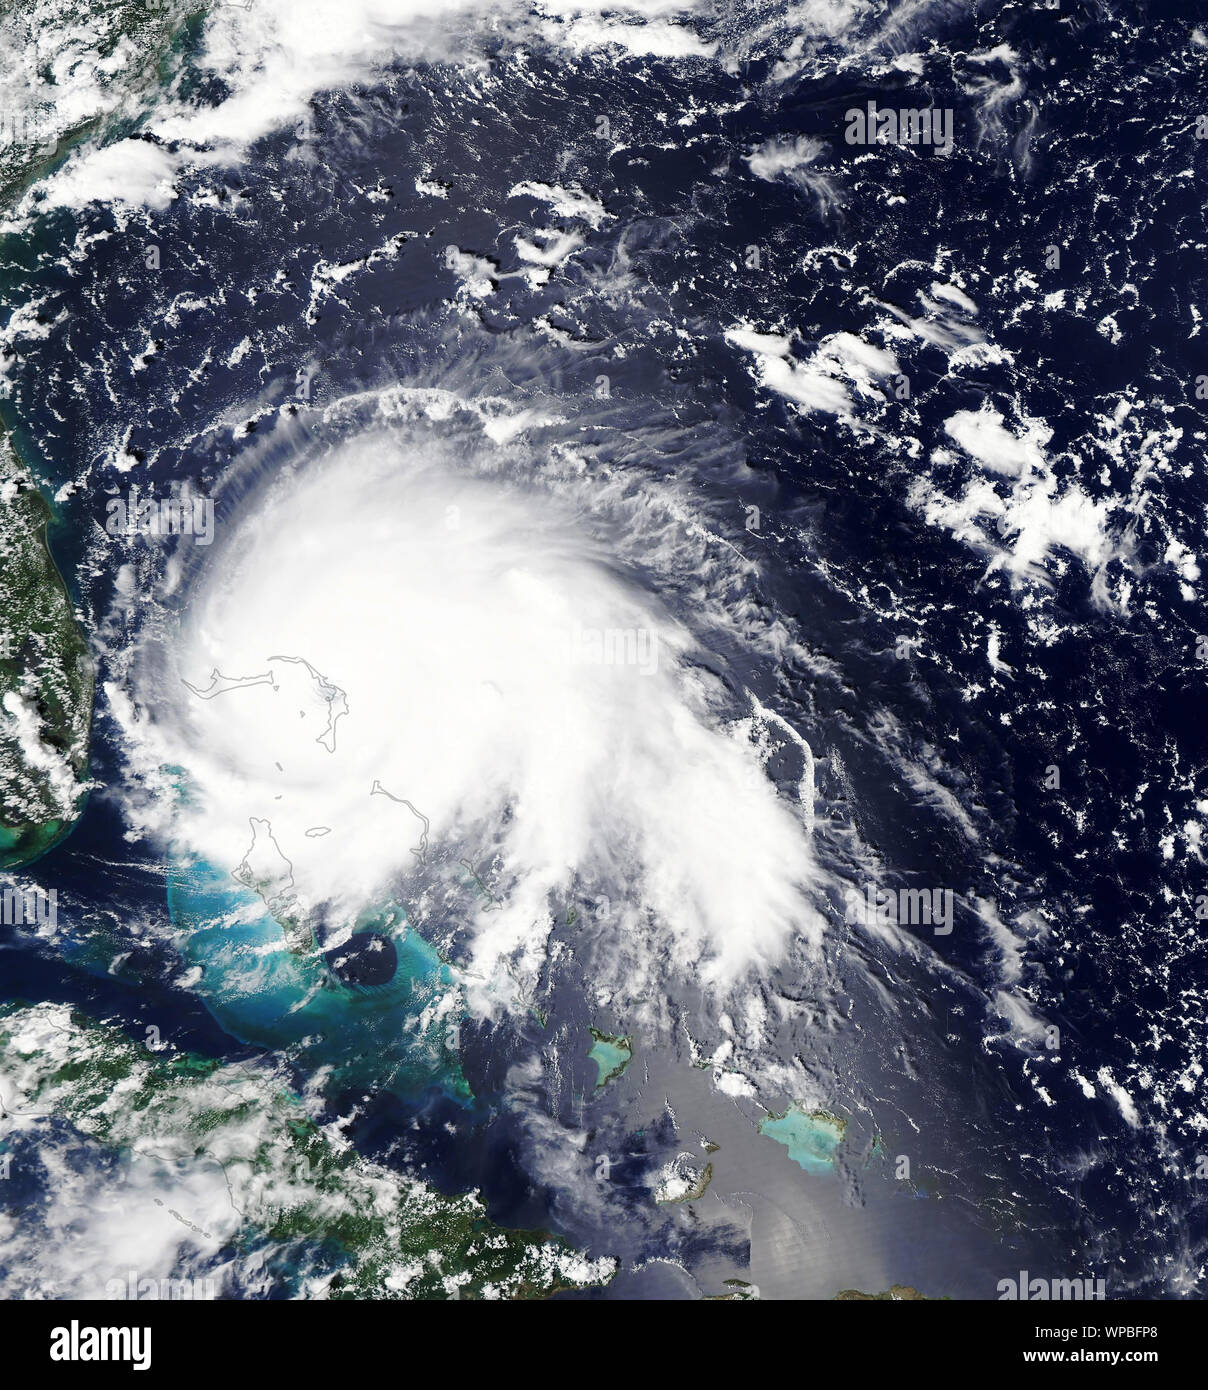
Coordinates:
(46, 683)
(323, 1219)
(76, 72)
(696, 1187)
(110, 54)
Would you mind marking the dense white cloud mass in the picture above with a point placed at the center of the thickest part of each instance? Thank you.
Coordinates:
(474, 674)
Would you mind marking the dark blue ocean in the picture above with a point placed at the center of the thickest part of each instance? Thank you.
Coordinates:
(957, 658)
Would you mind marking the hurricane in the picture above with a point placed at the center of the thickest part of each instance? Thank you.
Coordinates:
(602, 636)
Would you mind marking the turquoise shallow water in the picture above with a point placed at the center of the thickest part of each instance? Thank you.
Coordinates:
(611, 1056)
(394, 1036)
(812, 1139)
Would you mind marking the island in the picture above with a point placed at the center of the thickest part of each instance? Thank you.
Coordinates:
(611, 1056)
(812, 1137)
